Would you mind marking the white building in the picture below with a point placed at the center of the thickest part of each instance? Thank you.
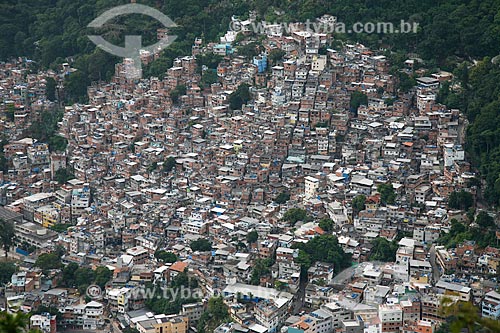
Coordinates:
(80, 200)
(453, 153)
(43, 322)
(391, 317)
(311, 187)
(491, 305)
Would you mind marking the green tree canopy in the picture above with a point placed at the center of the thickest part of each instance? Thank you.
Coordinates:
(462, 200)
(7, 268)
(68, 275)
(275, 55)
(252, 237)
(169, 164)
(387, 194)
(282, 198)
(50, 89)
(383, 250)
(357, 99)
(324, 248)
(63, 175)
(260, 268)
(326, 224)
(217, 313)
(7, 235)
(239, 97)
(358, 203)
(48, 261)
(201, 244)
(102, 276)
(167, 257)
(294, 215)
(13, 323)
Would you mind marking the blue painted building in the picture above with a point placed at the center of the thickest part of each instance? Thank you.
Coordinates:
(261, 62)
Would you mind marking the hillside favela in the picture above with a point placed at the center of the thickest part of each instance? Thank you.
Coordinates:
(249, 166)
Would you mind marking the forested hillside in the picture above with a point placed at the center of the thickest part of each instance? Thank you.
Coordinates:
(50, 30)
(481, 102)
(452, 35)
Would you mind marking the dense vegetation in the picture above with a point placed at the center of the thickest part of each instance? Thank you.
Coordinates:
(7, 236)
(15, 323)
(383, 250)
(480, 99)
(465, 317)
(387, 194)
(45, 129)
(201, 244)
(7, 268)
(324, 248)
(217, 313)
(294, 215)
(165, 256)
(482, 231)
(460, 200)
(358, 204)
(326, 224)
(261, 268)
(52, 32)
(171, 302)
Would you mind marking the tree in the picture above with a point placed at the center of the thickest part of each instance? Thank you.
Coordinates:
(13, 323)
(152, 167)
(293, 215)
(326, 224)
(7, 268)
(485, 221)
(406, 82)
(179, 90)
(10, 112)
(324, 248)
(59, 251)
(84, 277)
(278, 285)
(75, 87)
(63, 175)
(169, 164)
(217, 313)
(102, 276)
(260, 269)
(462, 315)
(249, 50)
(201, 245)
(48, 261)
(358, 204)
(68, 275)
(209, 76)
(210, 60)
(462, 200)
(130, 330)
(282, 198)
(60, 227)
(167, 257)
(387, 194)
(252, 237)
(383, 250)
(50, 89)
(239, 97)
(7, 235)
(275, 55)
(357, 99)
